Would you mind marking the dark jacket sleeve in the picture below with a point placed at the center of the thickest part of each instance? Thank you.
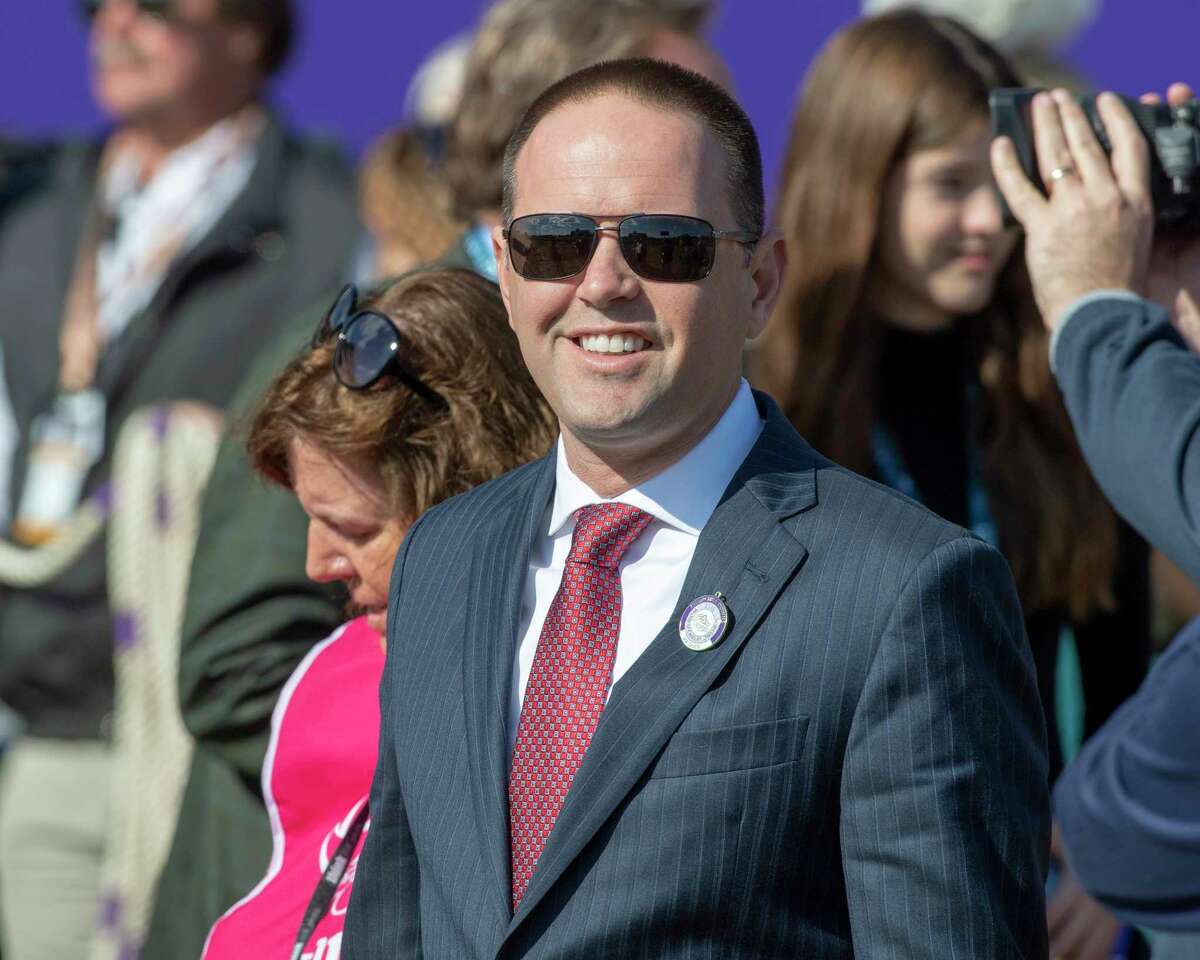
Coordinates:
(1129, 806)
(251, 613)
(945, 810)
(1133, 391)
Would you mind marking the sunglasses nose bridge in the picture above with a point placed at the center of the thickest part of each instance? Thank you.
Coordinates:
(611, 256)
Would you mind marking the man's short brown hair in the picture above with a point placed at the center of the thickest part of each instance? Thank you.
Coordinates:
(521, 48)
(456, 339)
(275, 21)
(667, 87)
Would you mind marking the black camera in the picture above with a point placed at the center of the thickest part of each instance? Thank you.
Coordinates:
(1172, 132)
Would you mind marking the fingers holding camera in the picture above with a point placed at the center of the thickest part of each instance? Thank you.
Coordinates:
(1055, 163)
(1130, 156)
(1023, 198)
(1094, 230)
(1087, 156)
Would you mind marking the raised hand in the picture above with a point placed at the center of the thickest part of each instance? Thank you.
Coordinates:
(1094, 230)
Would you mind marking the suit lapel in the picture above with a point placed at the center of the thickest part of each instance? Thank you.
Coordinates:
(498, 571)
(746, 553)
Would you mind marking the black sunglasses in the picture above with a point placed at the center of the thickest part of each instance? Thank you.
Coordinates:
(159, 8)
(658, 246)
(368, 346)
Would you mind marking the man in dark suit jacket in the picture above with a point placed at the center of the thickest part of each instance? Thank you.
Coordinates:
(1129, 807)
(822, 737)
(252, 613)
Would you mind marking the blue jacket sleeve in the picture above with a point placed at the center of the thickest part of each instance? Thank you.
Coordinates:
(1129, 806)
(1132, 389)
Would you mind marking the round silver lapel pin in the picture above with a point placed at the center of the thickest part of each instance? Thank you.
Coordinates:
(703, 623)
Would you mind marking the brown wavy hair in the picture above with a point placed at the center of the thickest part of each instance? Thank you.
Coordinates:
(521, 48)
(882, 89)
(457, 341)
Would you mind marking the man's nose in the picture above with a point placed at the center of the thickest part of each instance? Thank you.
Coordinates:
(608, 277)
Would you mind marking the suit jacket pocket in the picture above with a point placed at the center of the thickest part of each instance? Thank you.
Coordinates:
(743, 747)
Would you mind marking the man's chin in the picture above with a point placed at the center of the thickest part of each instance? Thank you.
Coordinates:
(605, 415)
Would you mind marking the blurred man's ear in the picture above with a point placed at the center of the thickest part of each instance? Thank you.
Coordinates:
(246, 44)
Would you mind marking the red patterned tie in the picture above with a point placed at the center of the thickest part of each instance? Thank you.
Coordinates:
(569, 680)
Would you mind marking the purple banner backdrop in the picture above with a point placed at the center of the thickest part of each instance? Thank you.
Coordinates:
(355, 59)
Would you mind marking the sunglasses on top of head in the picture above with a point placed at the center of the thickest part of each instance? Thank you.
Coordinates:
(158, 8)
(667, 247)
(369, 345)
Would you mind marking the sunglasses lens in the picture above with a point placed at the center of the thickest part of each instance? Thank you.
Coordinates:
(364, 350)
(338, 315)
(671, 248)
(550, 246)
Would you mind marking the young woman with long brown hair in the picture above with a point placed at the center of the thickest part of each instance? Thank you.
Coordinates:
(906, 345)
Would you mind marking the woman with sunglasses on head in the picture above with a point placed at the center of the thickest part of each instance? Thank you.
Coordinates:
(409, 397)
(906, 345)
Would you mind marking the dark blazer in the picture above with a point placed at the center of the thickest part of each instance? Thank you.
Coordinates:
(1129, 806)
(283, 240)
(859, 769)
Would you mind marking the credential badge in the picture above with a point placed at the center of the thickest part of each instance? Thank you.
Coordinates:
(703, 623)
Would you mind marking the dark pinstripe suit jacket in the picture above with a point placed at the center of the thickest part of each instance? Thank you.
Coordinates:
(859, 769)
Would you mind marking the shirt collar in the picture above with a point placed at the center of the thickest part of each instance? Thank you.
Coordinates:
(684, 495)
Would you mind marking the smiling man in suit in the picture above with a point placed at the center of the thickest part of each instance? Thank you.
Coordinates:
(685, 688)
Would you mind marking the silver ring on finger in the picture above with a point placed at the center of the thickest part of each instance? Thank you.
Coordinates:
(1065, 170)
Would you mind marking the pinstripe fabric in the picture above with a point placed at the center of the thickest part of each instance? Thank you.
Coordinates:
(859, 769)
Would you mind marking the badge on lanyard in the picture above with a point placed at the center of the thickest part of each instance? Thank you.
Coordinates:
(65, 444)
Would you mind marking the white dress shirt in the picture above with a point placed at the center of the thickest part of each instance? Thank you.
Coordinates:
(681, 499)
(168, 215)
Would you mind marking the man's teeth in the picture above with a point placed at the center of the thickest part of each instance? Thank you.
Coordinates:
(617, 343)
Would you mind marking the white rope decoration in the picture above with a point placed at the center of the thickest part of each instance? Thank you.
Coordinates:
(27, 567)
(161, 463)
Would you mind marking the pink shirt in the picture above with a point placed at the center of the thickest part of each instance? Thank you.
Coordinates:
(316, 777)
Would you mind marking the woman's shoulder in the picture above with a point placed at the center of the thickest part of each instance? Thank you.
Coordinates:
(353, 645)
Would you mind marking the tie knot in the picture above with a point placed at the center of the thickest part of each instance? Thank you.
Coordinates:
(604, 531)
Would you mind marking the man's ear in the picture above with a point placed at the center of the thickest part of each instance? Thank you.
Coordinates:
(500, 252)
(246, 43)
(767, 266)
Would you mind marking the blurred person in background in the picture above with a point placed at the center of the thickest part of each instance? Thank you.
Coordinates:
(1029, 33)
(525, 45)
(365, 459)
(906, 345)
(1121, 302)
(252, 615)
(144, 269)
(405, 206)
